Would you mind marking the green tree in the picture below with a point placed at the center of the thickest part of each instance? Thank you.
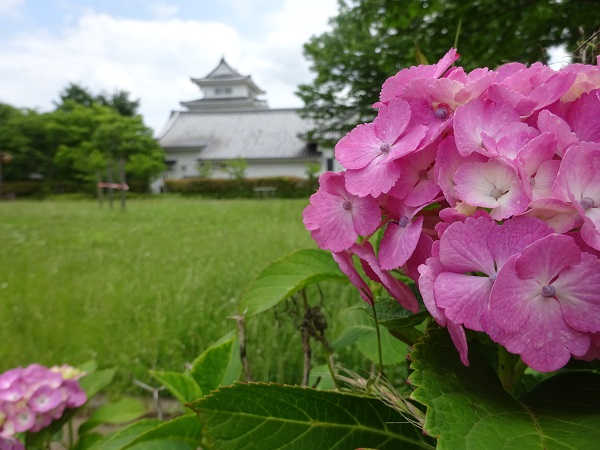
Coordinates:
(97, 134)
(371, 40)
(236, 168)
(23, 136)
(119, 100)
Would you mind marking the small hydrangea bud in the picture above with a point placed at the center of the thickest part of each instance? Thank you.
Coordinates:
(347, 205)
(403, 222)
(385, 147)
(442, 112)
(548, 291)
(587, 203)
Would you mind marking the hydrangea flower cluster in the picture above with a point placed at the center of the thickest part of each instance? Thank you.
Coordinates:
(32, 397)
(484, 188)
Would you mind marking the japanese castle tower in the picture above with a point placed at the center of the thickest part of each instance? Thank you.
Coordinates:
(232, 121)
(225, 89)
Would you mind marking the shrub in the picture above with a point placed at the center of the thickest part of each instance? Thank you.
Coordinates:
(285, 187)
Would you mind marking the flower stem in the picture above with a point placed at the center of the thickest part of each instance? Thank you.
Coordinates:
(510, 369)
(378, 339)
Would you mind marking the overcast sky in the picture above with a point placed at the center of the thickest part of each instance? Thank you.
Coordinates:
(151, 48)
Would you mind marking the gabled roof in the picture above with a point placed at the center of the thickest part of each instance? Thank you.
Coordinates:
(223, 70)
(225, 74)
(253, 135)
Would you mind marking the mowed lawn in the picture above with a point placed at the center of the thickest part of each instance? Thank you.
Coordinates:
(141, 289)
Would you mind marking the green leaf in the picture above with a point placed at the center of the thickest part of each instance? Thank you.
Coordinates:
(121, 438)
(162, 445)
(181, 430)
(125, 410)
(181, 385)
(284, 277)
(96, 381)
(467, 407)
(392, 350)
(88, 366)
(210, 368)
(89, 441)
(350, 335)
(323, 376)
(393, 316)
(270, 416)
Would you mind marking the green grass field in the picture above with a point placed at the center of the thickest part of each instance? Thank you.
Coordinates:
(147, 288)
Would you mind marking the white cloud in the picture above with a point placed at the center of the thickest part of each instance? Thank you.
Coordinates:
(154, 60)
(10, 8)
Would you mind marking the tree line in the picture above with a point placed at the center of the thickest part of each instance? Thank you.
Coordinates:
(371, 40)
(77, 139)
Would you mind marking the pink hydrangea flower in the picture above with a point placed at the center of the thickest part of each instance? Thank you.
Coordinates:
(492, 129)
(471, 253)
(401, 235)
(494, 184)
(336, 218)
(545, 300)
(578, 178)
(394, 86)
(515, 153)
(370, 152)
(31, 397)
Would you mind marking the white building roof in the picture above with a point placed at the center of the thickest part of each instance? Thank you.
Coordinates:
(252, 135)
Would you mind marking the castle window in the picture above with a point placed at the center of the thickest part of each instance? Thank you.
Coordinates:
(223, 91)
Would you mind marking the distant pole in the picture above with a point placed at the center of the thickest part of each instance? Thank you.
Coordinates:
(122, 181)
(109, 173)
(100, 189)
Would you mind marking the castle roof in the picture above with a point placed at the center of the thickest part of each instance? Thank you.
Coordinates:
(268, 134)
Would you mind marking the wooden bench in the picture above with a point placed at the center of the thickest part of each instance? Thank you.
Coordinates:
(264, 191)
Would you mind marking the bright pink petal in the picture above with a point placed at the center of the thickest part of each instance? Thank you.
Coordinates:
(459, 339)
(513, 236)
(399, 290)
(494, 184)
(399, 243)
(546, 344)
(359, 147)
(544, 259)
(429, 272)
(464, 298)
(463, 247)
(344, 260)
(548, 122)
(392, 120)
(394, 86)
(512, 297)
(583, 117)
(544, 179)
(447, 162)
(561, 216)
(479, 116)
(374, 179)
(336, 218)
(417, 186)
(578, 289)
(419, 256)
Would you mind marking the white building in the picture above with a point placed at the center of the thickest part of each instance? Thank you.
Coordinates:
(231, 121)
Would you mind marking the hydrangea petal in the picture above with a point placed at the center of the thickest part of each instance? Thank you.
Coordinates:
(399, 243)
(494, 184)
(344, 260)
(464, 298)
(463, 247)
(513, 236)
(578, 288)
